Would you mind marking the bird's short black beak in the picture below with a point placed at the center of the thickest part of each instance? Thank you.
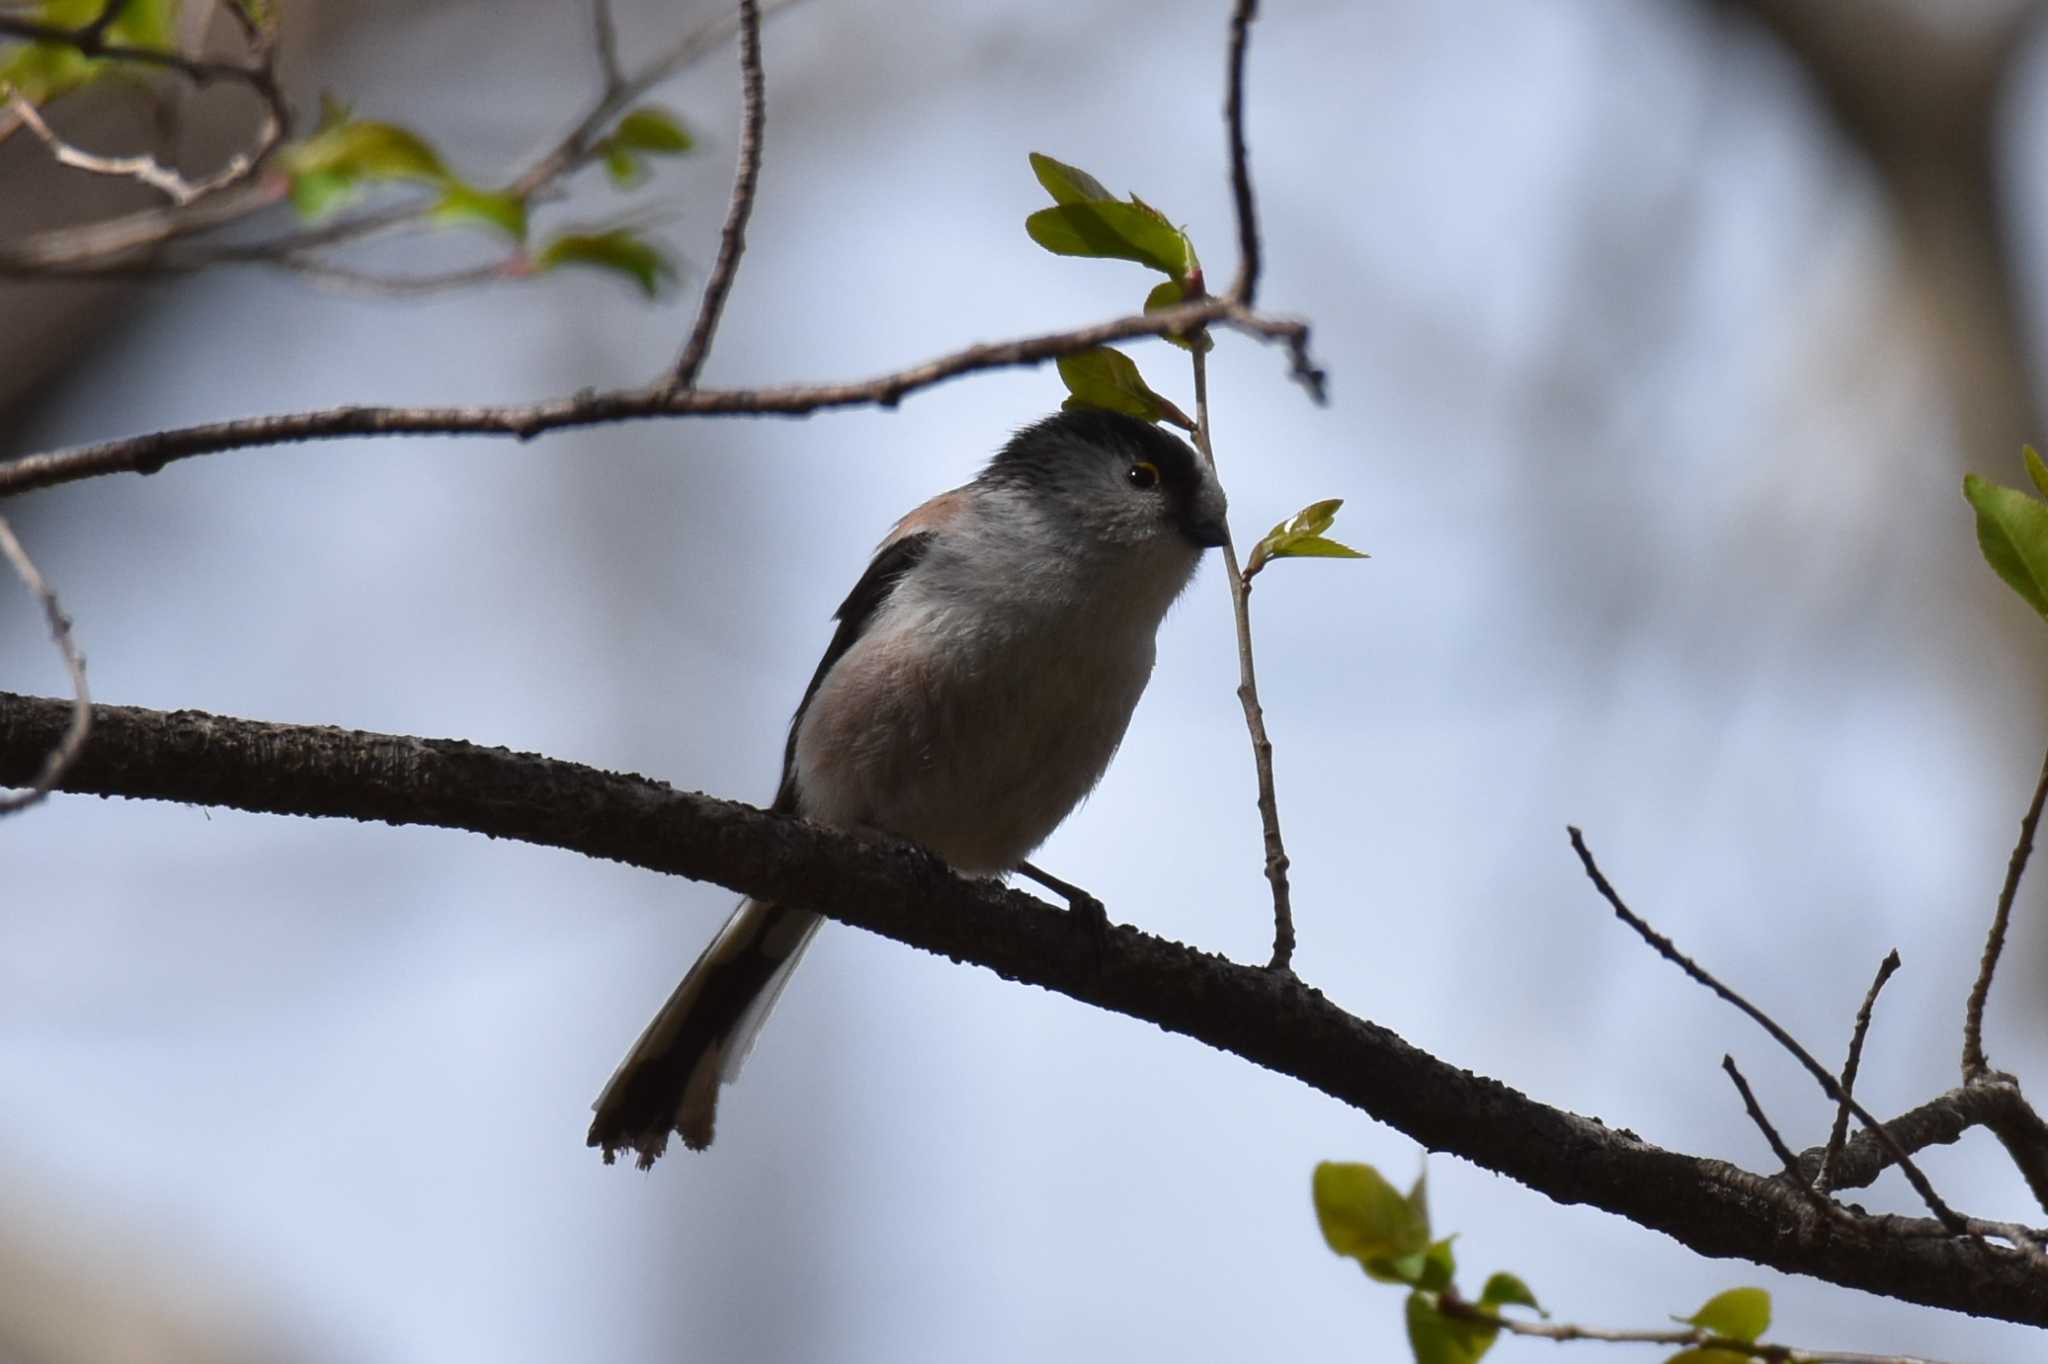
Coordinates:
(1208, 532)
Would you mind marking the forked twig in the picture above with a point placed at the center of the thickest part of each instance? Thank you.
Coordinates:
(1665, 948)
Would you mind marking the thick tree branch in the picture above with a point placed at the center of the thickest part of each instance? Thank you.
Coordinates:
(1263, 1016)
(149, 453)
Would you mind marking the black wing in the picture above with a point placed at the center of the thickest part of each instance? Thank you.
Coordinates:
(884, 572)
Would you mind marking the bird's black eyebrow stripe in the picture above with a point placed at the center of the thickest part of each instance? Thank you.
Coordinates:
(884, 572)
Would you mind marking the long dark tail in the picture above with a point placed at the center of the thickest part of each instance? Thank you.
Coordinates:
(670, 1080)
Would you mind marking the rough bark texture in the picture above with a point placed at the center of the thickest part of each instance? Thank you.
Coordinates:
(902, 893)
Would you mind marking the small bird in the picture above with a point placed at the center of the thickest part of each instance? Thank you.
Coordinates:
(981, 677)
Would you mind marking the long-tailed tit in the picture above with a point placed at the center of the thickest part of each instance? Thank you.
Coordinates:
(982, 675)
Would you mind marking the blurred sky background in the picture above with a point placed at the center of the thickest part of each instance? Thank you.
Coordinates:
(1653, 423)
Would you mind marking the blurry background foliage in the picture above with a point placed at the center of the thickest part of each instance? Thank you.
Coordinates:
(1659, 333)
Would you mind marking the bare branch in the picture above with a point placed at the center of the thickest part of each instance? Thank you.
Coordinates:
(1669, 951)
(606, 35)
(1824, 1181)
(1267, 1017)
(1248, 697)
(149, 453)
(1247, 282)
(65, 750)
(144, 168)
(1975, 1065)
(732, 238)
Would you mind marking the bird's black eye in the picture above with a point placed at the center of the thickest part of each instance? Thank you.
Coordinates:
(1144, 474)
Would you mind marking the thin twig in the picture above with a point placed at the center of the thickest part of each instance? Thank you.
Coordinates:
(732, 238)
(1665, 948)
(1813, 1196)
(606, 36)
(149, 453)
(1975, 1065)
(1247, 282)
(1825, 1180)
(1248, 697)
(573, 149)
(66, 751)
(1450, 1305)
(144, 168)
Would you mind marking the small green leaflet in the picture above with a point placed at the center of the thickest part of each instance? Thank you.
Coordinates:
(1438, 1339)
(331, 167)
(1301, 537)
(1109, 379)
(2012, 530)
(1172, 293)
(618, 250)
(1505, 1290)
(1366, 1218)
(1087, 220)
(649, 130)
(465, 205)
(1740, 1314)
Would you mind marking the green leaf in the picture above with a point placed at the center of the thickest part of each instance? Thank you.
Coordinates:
(651, 128)
(623, 165)
(1067, 184)
(1367, 1219)
(1109, 379)
(499, 210)
(2036, 470)
(617, 250)
(1439, 1266)
(2012, 530)
(333, 164)
(1740, 1314)
(1708, 1354)
(1438, 1339)
(1301, 537)
(371, 151)
(1504, 1289)
(1113, 230)
(1171, 294)
(318, 193)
